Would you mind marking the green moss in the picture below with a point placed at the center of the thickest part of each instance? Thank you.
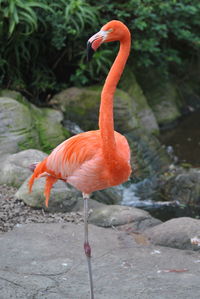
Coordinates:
(81, 105)
(50, 131)
(83, 108)
(30, 142)
(29, 126)
(129, 84)
(15, 95)
(162, 96)
(19, 126)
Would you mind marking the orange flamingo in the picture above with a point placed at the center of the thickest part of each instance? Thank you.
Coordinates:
(93, 160)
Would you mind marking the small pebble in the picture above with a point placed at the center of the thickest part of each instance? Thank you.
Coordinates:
(14, 212)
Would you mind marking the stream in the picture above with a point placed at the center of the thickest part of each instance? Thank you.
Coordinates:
(185, 139)
(158, 209)
(184, 142)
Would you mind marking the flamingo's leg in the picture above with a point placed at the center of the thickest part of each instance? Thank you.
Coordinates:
(87, 247)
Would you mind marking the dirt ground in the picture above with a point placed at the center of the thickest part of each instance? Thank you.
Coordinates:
(14, 212)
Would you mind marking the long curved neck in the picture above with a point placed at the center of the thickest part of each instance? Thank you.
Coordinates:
(106, 122)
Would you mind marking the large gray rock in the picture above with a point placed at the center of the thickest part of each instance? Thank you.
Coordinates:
(76, 102)
(47, 261)
(115, 215)
(184, 187)
(92, 205)
(48, 123)
(23, 125)
(146, 117)
(162, 96)
(182, 233)
(63, 198)
(16, 126)
(15, 167)
(148, 156)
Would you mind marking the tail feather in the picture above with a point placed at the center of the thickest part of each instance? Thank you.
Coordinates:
(31, 182)
(50, 180)
(39, 169)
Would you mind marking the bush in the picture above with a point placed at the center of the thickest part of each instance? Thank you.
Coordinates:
(165, 33)
(42, 42)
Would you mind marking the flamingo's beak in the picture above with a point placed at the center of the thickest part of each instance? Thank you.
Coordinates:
(90, 51)
(94, 42)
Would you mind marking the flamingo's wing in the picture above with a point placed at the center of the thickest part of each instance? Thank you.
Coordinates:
(73, 153)
(74, 160)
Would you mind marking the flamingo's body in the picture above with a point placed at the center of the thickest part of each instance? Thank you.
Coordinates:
(98, 159)
(80, 162)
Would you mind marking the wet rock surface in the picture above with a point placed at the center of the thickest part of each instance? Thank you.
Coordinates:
(183, 186)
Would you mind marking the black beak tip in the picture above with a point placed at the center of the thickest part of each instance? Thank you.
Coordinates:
(90, 51)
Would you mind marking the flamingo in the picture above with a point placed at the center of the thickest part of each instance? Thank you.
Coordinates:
(99, 159)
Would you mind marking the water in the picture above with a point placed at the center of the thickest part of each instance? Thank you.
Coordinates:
(72, 127)
(184, 142)
(185, 139)
(158, 209)
(161, 210)
(131, 197)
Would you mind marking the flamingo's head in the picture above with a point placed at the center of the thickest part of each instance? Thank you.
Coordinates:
(112, 31)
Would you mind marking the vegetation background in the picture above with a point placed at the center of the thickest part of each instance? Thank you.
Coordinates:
(42, 42)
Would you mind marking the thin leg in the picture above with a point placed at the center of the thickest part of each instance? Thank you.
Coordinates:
(87, 247)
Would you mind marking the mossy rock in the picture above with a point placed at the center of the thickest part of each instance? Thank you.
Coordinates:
(15, 168)
(49, 128)
(81, 105)
(162, 96)
(16, 126)
(140, 105)
(148, 156)
(24, 126)
(183, 187)
(15, 95)
(63, 197)
(164, 101)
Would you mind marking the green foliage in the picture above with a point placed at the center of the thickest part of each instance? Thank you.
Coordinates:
(165, 33)
(42, 42)
(20, 12)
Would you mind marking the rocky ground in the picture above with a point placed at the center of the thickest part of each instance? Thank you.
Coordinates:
(41, 253)
(14, 212)
(40, 260)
